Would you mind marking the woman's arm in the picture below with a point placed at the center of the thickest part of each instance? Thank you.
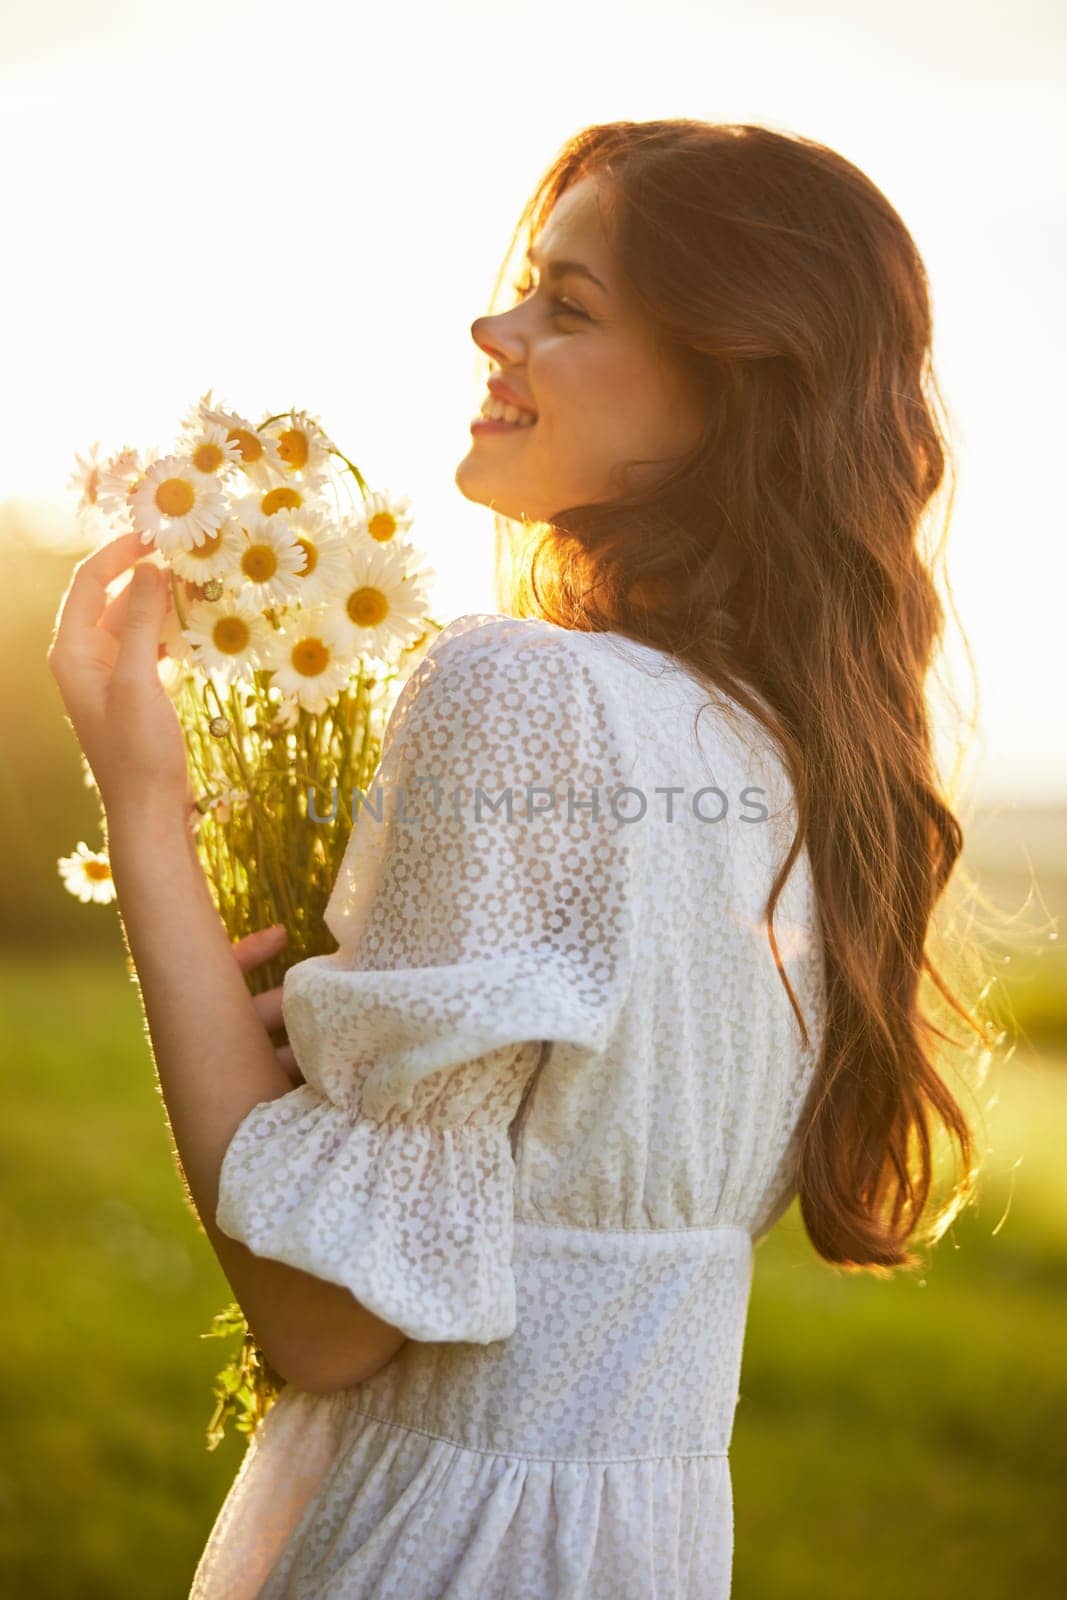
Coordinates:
(213, 1053)
(215, 1061)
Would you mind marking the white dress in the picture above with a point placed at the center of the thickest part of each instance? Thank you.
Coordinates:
(554, 1082)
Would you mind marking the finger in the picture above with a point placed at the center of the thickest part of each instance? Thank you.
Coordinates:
(146, 607)
(86, 593)
(269, 1006)
(289, 1063)
(252, 949)
(114, 618)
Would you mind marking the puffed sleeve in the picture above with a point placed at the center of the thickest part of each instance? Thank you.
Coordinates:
(473, 932)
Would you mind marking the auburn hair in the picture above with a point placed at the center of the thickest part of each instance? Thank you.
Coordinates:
(787, 555)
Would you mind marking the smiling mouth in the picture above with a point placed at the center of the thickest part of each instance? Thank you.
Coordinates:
(494, 410)
(480, 425)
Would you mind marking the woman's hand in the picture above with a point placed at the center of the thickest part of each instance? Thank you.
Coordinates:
(251, 952)
(104, 657)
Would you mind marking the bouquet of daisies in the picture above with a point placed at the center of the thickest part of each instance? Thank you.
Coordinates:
(300, 606)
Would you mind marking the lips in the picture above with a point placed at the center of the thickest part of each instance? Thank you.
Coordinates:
(505, 393)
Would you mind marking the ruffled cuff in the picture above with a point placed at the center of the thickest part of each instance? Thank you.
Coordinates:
(416, 1220)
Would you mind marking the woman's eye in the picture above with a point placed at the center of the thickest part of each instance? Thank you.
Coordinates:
(561, 308)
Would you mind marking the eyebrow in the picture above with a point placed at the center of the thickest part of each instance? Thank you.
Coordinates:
(557, 269)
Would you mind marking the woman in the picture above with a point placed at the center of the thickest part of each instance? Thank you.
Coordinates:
(647, 963)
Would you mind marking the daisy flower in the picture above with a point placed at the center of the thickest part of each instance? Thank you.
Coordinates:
(231, 636)
(87, 874)
(287, 711)
(269, 560)
(119, 477)
(210, 449)
(383, 604)
(308, 661)
(385, 517)
(196, 413)
(260, 460)
(215, 557)
(176, 506)
(222, 806)
(327, 559)
(294, 496)
(85, 479)
(286, 714)
(305, 449)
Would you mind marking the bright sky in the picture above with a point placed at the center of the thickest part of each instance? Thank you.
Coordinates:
(307, 206)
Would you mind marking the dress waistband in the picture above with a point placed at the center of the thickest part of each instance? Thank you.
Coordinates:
(627, 1344)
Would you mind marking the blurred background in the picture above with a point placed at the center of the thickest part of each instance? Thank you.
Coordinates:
(308, 208)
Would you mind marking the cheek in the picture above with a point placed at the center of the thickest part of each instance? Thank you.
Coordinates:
(583, 422)
(566, 374)
(609, 384)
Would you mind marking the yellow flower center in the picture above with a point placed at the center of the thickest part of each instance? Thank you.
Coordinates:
(99, 871)
(259, 563)
(293, 448)
(175, 497)
(209, 546)
(311, 557)
(230, 635)
(281, 499)
(208, 456)
(92, 486)
(367, 607)
(382, 526)
(310, 657)
(248, 444)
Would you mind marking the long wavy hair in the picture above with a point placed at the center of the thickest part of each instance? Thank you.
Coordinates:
(789, 560)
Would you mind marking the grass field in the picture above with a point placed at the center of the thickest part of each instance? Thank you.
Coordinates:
(900, 1438)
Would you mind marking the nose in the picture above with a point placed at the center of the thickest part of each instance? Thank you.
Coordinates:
(493, 336)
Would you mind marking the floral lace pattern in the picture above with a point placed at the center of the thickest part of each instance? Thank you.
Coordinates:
(551, 1071)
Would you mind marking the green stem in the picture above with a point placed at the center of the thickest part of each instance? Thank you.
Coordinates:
(281, 888)
(365, 742)
(346, 726)
(354, 470)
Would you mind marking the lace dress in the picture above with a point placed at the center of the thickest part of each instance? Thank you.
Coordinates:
(553, 1088)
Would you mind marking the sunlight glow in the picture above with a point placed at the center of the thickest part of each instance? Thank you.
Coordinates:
(315, 222)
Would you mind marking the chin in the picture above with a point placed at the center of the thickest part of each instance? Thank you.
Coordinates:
(477, 485)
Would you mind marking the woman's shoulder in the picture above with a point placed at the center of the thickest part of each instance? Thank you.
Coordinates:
(490, 655)
(494, 635)
(541, 671)
(533, 666)
(491, 683)
(495, 639)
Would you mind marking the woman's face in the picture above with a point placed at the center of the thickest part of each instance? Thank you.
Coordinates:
(580, 356)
